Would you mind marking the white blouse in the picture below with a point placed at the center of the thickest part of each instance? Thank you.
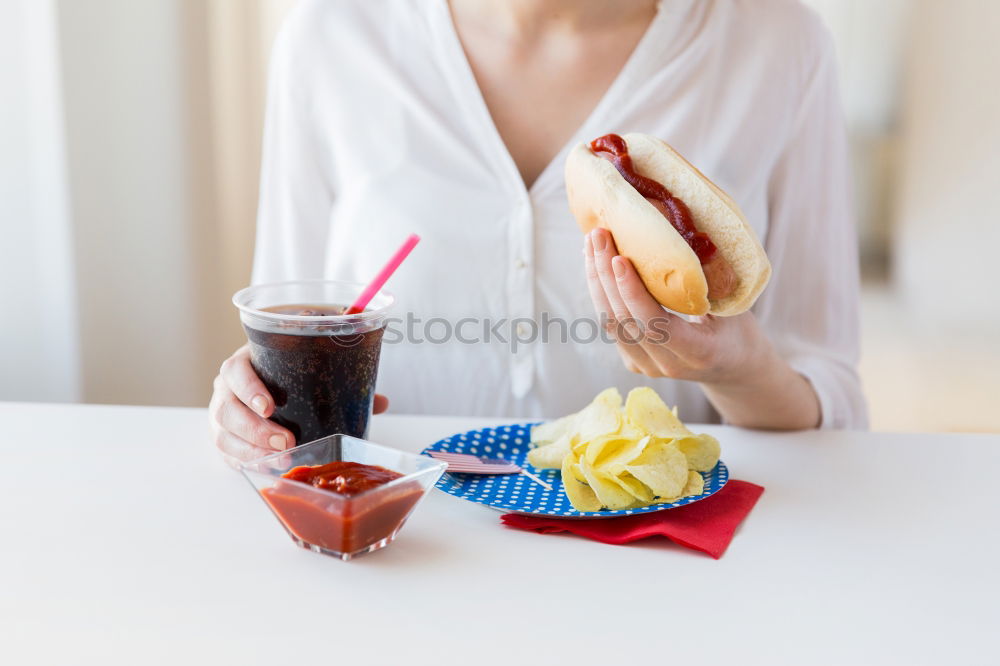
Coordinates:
(376, 129)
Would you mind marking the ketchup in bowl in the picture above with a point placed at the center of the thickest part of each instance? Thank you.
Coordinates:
(342, 476)
(342, 496)
(348, 518)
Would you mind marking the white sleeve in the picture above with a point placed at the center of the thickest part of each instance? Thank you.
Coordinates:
(810, 308)
(296, 192)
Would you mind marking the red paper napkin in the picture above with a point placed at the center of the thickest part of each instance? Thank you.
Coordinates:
(707, 525)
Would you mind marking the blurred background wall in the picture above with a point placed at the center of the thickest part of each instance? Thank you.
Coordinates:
(128, 165)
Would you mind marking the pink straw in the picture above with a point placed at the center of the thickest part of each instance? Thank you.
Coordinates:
(383, 275)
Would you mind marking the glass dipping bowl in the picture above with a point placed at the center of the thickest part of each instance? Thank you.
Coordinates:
(339, 525)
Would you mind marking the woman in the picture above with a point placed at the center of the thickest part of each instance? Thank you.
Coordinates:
(453, 120)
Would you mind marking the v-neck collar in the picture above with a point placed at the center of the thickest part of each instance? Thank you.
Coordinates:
(470, 96)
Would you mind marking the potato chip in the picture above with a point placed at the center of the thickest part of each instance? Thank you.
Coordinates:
(575, 468)
(701, 451)
(662, 467)
(553, 431)
(601, 417)
(580, 495)
(609, 493)
(695, 486)
(646, 411)
(546, 433)
(551, 455)
(621, 452)
(599, 446)
(634, 487)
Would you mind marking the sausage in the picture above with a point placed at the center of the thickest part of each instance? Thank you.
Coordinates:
(720, 276)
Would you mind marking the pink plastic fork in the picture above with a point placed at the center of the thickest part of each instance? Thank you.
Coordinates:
(466, 463)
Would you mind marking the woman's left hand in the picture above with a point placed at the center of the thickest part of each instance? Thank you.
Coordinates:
(657, 343)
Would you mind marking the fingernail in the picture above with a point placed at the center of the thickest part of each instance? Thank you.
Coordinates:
(618, 266)
(259, 404)
(278, 442)
(597, 239)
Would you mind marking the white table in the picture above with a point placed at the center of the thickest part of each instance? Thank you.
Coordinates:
(126, 540)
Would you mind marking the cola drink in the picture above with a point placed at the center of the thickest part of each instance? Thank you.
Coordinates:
(319, 364)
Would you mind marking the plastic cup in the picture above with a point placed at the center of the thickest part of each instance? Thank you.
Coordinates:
(320, 369)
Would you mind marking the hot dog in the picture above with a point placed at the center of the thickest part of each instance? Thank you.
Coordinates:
(687, 239)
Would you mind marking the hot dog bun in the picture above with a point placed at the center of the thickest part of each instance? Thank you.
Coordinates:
(600, 197)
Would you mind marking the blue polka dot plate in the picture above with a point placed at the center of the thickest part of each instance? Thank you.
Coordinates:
(516, 493)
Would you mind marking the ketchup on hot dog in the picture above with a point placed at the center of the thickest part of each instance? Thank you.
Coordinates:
(718, 273)
(675, 210)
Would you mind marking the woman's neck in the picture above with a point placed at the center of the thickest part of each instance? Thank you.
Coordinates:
(527, 18)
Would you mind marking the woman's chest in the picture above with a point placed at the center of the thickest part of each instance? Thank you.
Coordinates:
(415, 148)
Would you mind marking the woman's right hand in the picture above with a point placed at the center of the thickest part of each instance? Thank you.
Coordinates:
(239, 412)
